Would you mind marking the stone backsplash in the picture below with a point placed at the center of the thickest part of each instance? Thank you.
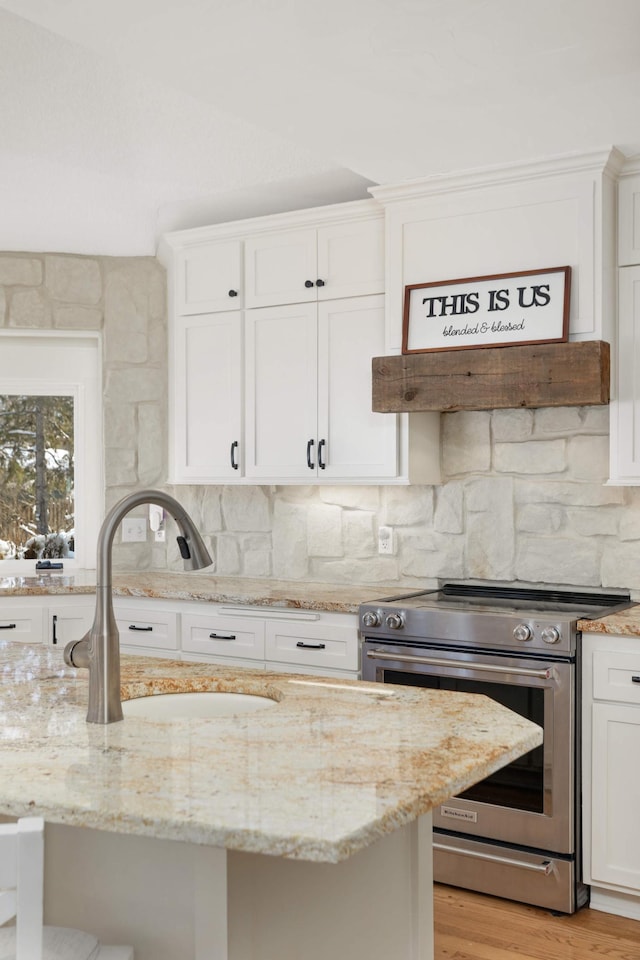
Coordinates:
(524, 494)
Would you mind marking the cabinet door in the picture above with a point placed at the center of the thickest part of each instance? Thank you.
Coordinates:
(629, 221)
(351, 259)
(353, 441)
(625, 409)
(281, 268)
(69, 622)
(615, 837)
(208, 277)
(281, 392)
(207, 418)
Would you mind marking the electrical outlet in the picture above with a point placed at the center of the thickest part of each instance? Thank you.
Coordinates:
(385, 540)
(159, 535)
(134, 530)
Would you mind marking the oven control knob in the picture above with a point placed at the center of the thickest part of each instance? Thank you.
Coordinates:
(394, 621)
(371, 619)
(522, 632)
(550, 634)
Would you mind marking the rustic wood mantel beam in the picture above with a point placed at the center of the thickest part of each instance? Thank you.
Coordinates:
(533, 375)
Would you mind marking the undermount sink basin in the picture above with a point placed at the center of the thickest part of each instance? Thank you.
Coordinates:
(168, 706)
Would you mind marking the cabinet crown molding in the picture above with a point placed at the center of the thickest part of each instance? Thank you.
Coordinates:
(309, 217)
(609, 161)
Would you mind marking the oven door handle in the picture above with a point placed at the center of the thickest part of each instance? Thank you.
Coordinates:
(545, 867)
(463, 664)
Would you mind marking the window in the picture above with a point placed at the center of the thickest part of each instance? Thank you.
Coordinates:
(50, 451)
(36, 477)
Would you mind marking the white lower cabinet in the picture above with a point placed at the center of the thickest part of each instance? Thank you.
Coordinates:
(67, 621)
(147, 626)
(46, 619)
(280, 640)
(22, 621)
(328, 644)
(611, 777)
(214, 636)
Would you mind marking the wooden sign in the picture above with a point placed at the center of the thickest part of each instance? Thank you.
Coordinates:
(531, 306)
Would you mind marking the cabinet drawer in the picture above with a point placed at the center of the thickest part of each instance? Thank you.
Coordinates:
(139, 627)
(318, 645)
(613, 676)
(24, 624)
(223, 636)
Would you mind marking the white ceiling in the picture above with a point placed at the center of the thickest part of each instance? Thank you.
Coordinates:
(122, 118)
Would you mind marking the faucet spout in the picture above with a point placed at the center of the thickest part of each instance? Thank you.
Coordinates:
(99, 649)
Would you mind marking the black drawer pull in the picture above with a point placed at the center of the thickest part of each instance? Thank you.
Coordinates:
(310, 646)
(7, 626)
(321, 462)
(132, 626)
(310, 462)
(232, 455)
(222, 636)
(635, 679)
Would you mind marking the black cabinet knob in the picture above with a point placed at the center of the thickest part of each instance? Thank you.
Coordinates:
(233, 293)
(319, 283)
(308, 283)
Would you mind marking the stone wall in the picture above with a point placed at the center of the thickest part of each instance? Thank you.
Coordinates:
(124, 299)
(523, 497)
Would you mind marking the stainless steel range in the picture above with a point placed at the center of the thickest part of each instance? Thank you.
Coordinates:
(517, 833)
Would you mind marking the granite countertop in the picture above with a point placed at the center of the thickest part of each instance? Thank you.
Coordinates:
(625, 623)
(163, 585)
(335, 765)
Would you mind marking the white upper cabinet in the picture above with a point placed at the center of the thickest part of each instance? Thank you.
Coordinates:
(308, 393)
(629, 221)
(206, 441)
(281, 391)
(343, 259)
(534, 216)
(209, 277)
(272, 328)
(362, 443)
(624, 445)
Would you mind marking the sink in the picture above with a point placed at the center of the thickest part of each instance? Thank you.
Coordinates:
(176, 706)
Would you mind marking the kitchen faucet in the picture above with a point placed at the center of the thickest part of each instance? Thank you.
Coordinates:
(99, 649)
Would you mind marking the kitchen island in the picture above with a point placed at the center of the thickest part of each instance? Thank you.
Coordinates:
(300, 831)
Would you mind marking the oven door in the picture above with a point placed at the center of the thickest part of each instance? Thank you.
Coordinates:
(530, 802)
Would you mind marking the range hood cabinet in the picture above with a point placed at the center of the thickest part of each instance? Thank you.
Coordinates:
(533, 375)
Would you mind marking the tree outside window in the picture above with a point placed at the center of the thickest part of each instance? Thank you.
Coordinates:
(36, 477)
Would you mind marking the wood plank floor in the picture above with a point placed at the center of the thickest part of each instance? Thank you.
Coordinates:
(471, 926)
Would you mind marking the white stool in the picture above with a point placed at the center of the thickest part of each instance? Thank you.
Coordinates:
(21, 897)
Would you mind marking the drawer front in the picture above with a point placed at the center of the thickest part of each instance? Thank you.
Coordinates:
(146, 628)
(613, 676)
(24, 624)
(223, 636)
(317, 645)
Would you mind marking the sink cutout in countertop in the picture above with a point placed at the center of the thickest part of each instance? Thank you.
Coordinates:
(202, 705)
